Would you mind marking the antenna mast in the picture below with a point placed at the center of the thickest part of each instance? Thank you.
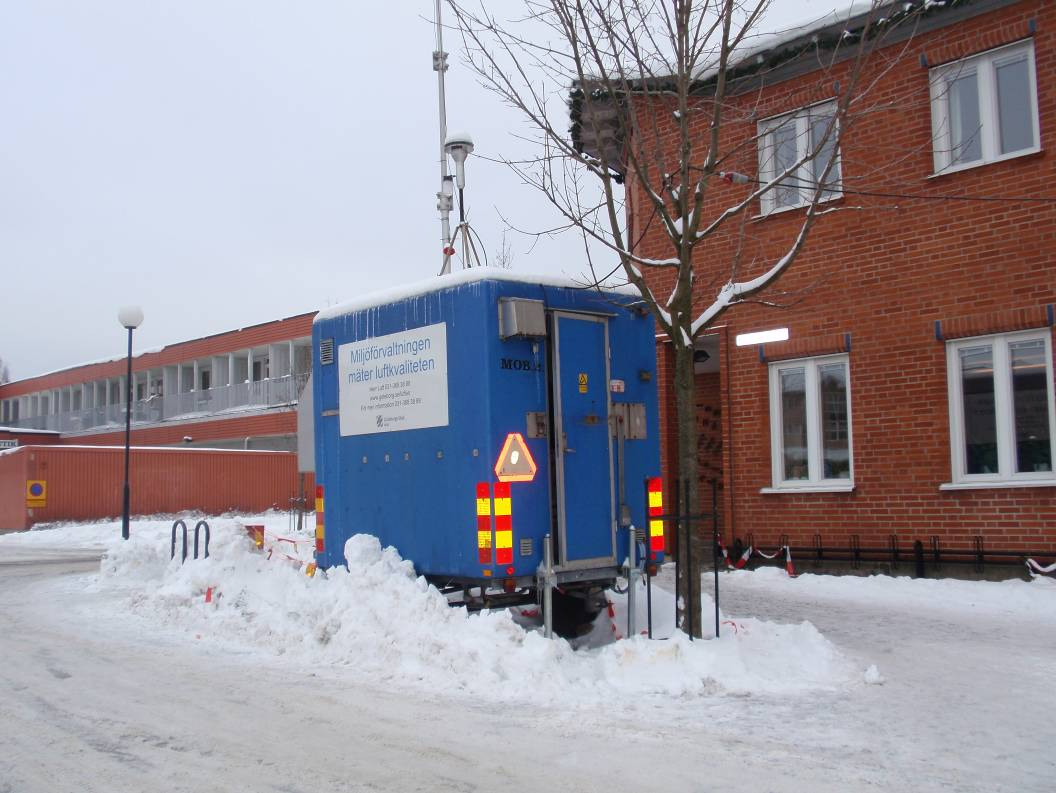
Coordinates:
(457, 146)
(445, 198)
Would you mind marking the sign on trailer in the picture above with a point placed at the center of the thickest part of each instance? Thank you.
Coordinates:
(394, 382)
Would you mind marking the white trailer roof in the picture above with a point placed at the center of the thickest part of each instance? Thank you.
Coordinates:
(461, 278)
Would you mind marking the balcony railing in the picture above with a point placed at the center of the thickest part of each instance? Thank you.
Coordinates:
(234, 398)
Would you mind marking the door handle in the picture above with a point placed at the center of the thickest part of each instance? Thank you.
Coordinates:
(564, 444)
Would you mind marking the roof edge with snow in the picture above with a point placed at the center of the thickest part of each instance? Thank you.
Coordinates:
(772, 59)
(461, 278)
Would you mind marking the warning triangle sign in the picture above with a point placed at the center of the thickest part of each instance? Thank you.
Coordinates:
(515, 463)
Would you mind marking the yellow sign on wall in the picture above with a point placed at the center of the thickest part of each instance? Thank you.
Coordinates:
(36, 493)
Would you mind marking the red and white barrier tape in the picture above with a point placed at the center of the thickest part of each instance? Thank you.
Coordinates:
(277, 538)
(611, 609)
(1032, 566)
(740, 563)
(737, 627)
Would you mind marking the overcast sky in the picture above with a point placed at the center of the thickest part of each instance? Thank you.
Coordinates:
(227, 162)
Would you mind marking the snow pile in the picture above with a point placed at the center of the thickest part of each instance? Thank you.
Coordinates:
(393, 627)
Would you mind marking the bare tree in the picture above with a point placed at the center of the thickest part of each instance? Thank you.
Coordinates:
(5, 372)
(650, 86)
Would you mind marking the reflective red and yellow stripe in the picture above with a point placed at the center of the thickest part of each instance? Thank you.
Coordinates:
(503, 524)
(320, 528)
(484, 522)
(654, 488)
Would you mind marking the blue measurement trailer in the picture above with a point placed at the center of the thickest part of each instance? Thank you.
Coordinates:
(464, 418)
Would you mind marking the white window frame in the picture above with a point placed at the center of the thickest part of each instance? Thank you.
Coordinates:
(984, 65)
(804, 175)
(815, 481)
(1004, 414)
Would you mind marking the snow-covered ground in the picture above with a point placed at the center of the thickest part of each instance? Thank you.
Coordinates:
(274, 679)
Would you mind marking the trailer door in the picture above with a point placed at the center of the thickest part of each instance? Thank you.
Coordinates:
(586, 523)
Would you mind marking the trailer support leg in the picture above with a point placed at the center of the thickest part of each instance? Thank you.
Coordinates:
(632, 571)
(548, 587)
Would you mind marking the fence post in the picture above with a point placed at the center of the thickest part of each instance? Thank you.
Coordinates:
(649, 559)
(715, 545)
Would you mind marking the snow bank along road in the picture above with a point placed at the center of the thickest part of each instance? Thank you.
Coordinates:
(94, 698)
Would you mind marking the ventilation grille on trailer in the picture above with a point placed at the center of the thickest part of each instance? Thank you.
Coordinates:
(326, 351)
(526, 546)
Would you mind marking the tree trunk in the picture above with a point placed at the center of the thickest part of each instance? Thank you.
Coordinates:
(688, 585)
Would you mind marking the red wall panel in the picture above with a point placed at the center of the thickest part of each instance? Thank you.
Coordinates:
(13, 489)
(275, 422)
(85, 483)
(25, 437)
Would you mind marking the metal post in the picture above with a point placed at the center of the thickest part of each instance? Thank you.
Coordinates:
(649, 597)
(649, 559)
(715, 544)
(632, 533)
(128, 436)
(632, 575)
(678, 547)
(548, 580)
(302, 504)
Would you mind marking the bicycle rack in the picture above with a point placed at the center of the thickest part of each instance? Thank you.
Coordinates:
(172, 551)
(197, 529)
(199, 525)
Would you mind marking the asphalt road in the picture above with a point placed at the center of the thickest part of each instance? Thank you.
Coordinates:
(95, 700)
(86, 707)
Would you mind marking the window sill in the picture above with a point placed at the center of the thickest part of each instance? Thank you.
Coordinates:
(841, 488)
(793, 207)
(951, 169)
(994, 485)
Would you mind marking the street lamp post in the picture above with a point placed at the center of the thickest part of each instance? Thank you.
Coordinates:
(130, 317)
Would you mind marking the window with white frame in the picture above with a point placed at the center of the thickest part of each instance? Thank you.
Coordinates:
(810, 423)
(802, 144)
(985, 108)
(1001, 408)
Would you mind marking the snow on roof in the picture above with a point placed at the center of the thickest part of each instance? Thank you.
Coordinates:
(461, 278)
(775, 39)
(88, 363)
(26, 431)
(152, 350)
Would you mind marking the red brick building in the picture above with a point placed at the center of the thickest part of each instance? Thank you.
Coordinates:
(235, 390)
(913, 400)
(233, 395)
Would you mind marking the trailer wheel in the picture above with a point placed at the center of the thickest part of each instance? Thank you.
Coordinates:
(574, 613)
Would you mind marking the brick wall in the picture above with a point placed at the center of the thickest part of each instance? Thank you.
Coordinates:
(874, 279)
